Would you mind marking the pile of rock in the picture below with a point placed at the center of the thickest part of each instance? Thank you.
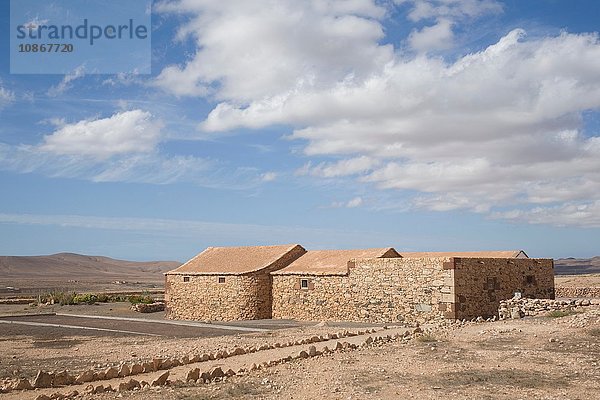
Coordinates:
(148, 308)
(519, 307)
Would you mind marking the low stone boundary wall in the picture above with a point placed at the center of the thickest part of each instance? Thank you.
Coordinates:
(56, 379)
(148, 308)
(569, 292)
(516, 308)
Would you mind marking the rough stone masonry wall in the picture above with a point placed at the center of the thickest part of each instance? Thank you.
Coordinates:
(375, 290)
(481, 283)
(204, 298)
(240, 297)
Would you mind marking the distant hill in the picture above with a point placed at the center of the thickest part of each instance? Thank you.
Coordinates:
(577, 266)
(81, 267)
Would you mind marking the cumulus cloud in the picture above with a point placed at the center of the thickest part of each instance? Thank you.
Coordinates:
(435, 37)
(500, 128)
(257, 49)
(445, 13)
(125, 132)
(121, 148)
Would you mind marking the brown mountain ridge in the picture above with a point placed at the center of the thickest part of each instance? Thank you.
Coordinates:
(82, 267)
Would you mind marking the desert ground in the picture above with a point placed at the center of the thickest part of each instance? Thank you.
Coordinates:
(535, 357)
(543, 357)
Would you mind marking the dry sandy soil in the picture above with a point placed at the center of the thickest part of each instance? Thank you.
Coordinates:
(537, 358)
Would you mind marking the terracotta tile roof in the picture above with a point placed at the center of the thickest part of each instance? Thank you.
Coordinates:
(331, 262)
(234, 260)
(467, 254)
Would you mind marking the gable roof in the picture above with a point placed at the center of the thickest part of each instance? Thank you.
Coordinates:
(332, 262)
(234, 260)
(467, 254)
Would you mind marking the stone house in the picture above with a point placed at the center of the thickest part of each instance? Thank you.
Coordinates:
(373, 285)
(226, 283)
(415, 287)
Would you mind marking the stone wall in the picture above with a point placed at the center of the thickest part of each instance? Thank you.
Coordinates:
(204, 298)
(239, 297)
(570, 292)
(374, 290)
(481, 283)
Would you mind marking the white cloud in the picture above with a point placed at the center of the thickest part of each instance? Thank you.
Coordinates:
(455, 9)
(500, 128)
(66, 82)
(435, 37)
(221, 233)
(352, 203)
(569, 214)
(133, 131)
(341, 168)
(269, 176)
(355, 202)
(256, 49)
(121, 148)
(6, 96)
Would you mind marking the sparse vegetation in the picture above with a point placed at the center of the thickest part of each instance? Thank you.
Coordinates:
(58, 297)
(427, 338)
(561, 313)
(145, 299)
(594, 332)
(86, 298)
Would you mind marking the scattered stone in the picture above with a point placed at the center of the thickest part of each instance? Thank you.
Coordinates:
(62, 379)
(136, 369)
(111, 373)
(166, 364)
(312, 351)
(156, 362)
(148, 308)
(124, 371)
(22, 384)
(230, 372)
(43, 397)
(43, 380)
(205, 377)
(238, 351)
(148, 367)
(86, 376)
(193, 375)
(161, 380)
(216, 372)
(303, 354)
(131, 384)
(196, 358)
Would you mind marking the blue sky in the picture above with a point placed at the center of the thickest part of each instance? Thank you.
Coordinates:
(423, 125)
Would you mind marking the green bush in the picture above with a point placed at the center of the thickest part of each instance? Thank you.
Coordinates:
(57, 297)
(86, 298)
(136, 298)
(103, 298)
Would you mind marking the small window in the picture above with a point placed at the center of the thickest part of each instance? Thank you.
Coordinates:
(221, 279)
(186, 278)
(303, 283)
